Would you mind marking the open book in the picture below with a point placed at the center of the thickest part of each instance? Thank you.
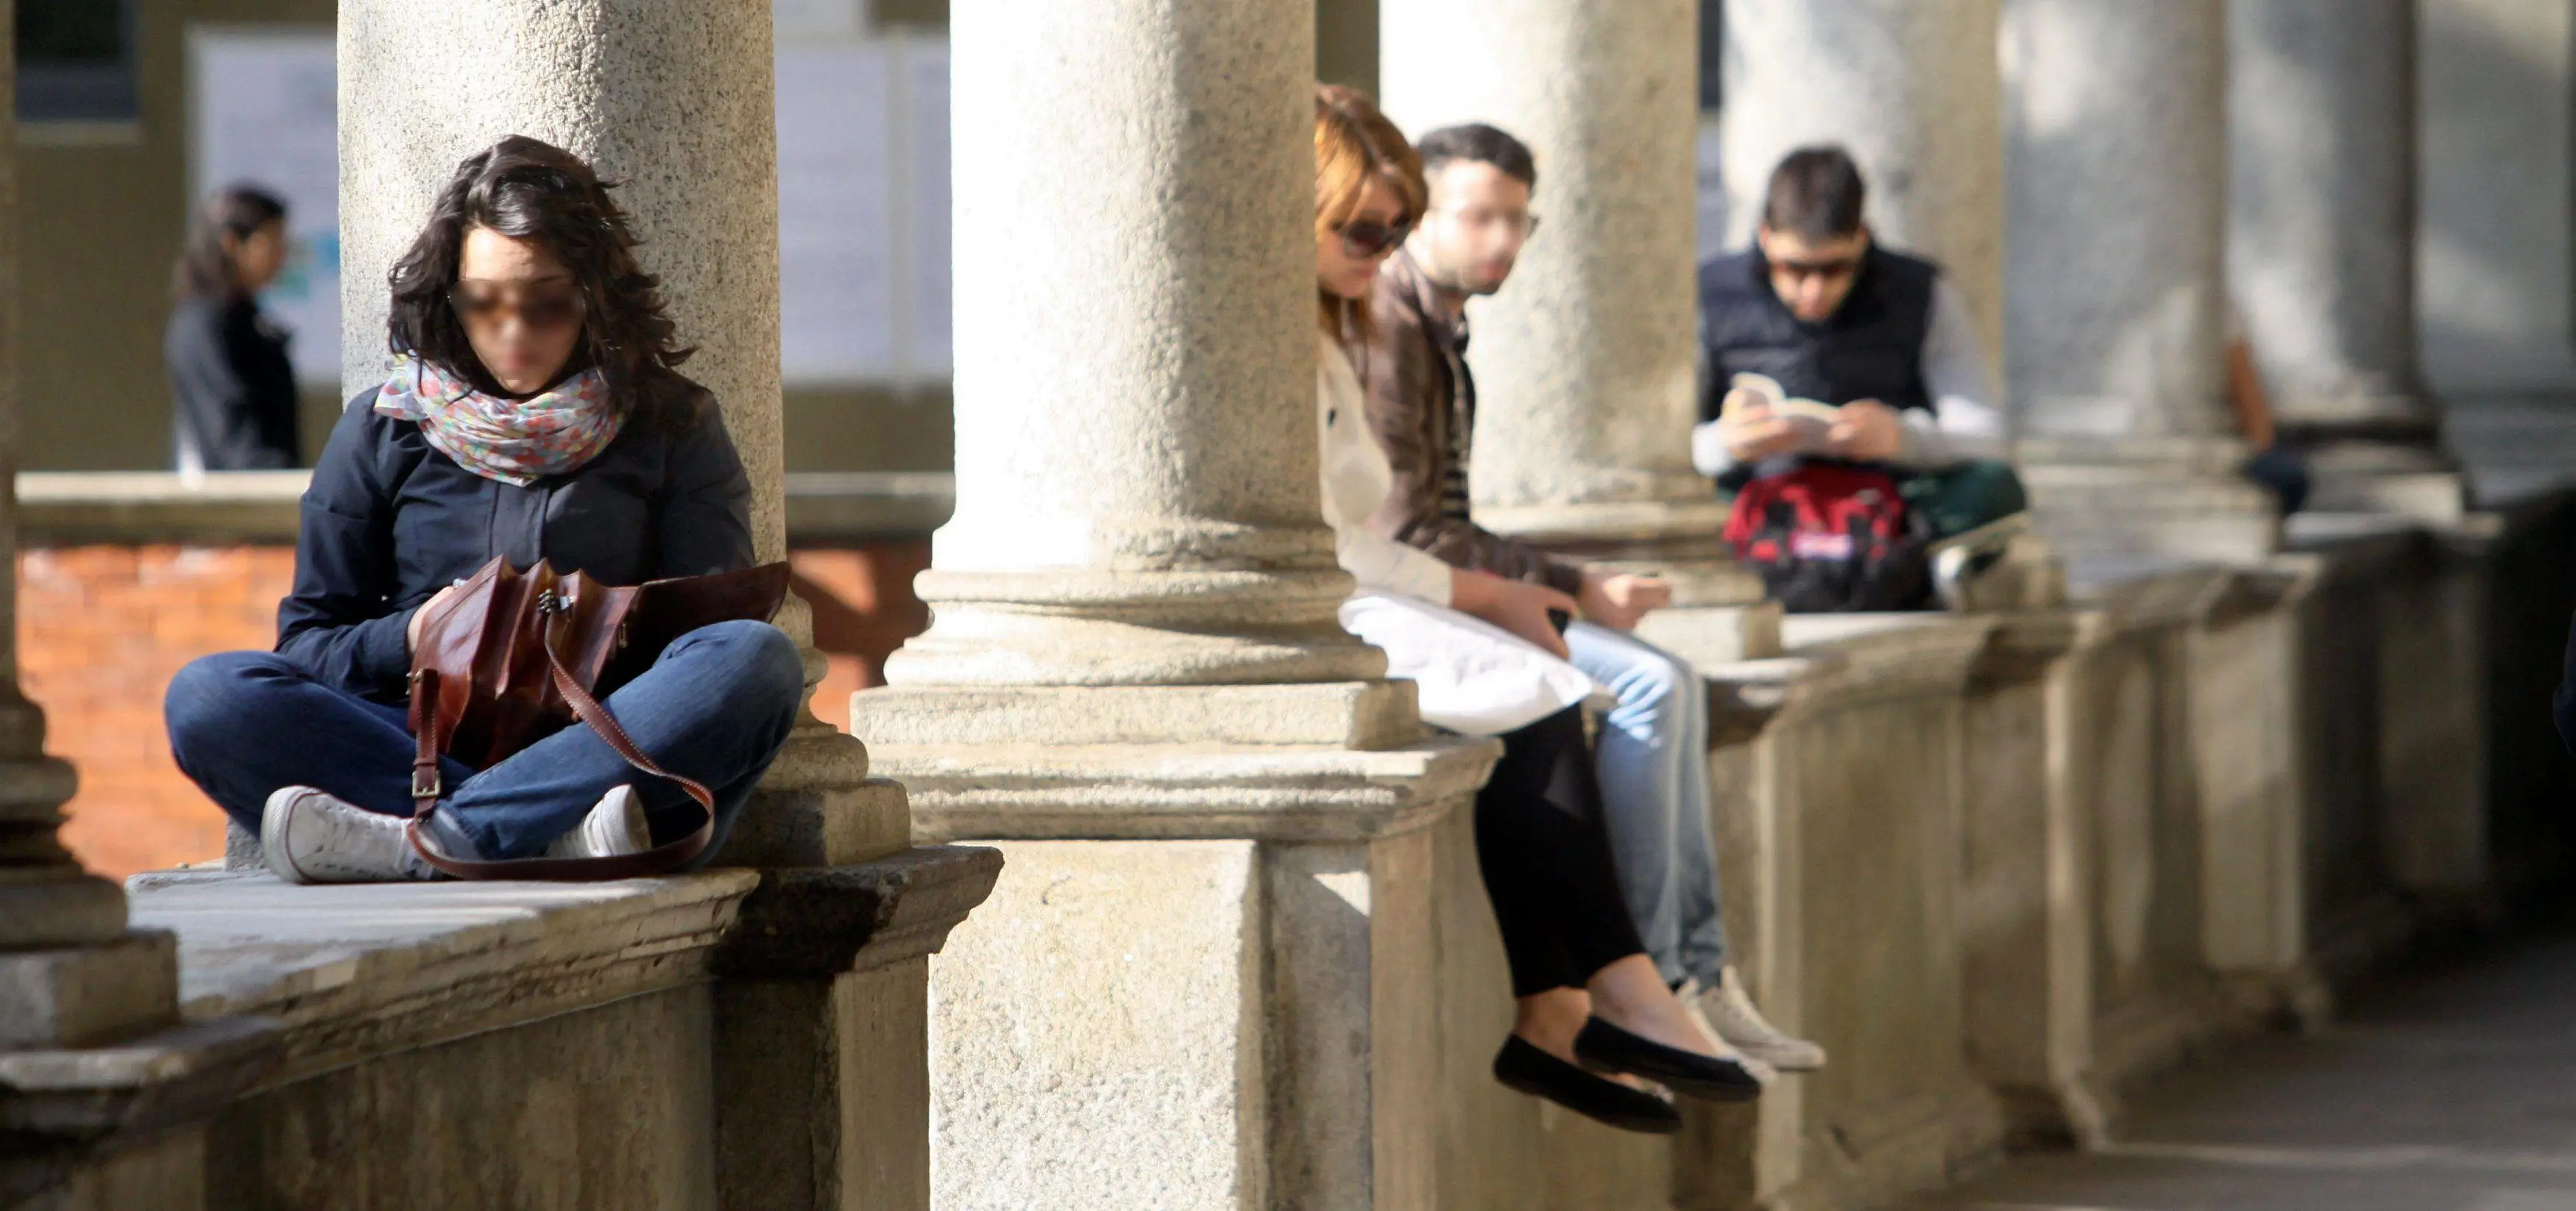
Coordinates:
(1812, 419)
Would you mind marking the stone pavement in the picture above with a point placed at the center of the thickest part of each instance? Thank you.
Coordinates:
(2453, 1091)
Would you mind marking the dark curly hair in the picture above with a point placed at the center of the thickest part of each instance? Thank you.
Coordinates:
(530, 190)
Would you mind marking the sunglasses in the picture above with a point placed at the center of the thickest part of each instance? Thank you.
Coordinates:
(543, 309)
(1836, 268)
(1364, 238)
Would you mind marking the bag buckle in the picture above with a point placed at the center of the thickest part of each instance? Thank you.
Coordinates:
(425, 783)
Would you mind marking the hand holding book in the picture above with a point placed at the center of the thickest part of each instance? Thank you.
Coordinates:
(1761, 421)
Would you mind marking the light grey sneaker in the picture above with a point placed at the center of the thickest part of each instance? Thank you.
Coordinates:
(1731, 1013)
(306, 836)
(1687, 994)
(614, 827)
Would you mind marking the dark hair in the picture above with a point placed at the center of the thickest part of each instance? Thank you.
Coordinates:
(529, 190)
(1356, 144)
(1816, 193)
(1478, 143)
(205, 269)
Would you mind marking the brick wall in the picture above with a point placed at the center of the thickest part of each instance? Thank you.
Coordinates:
(101, 630)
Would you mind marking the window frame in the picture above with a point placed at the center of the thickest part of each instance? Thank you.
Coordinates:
(86, 93)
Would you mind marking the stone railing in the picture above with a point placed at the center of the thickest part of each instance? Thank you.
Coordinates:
(2004, 866)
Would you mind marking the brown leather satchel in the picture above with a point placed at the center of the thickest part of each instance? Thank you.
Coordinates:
(511, 657)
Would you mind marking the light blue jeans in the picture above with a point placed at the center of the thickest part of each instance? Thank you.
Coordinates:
(1652, 757)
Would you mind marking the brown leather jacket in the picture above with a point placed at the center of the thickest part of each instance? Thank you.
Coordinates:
(1422, 406)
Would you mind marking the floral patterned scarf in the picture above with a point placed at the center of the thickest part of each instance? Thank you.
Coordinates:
(514, 441)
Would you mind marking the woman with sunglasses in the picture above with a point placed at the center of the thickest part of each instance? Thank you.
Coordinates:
(1486, 659)
(533, 411)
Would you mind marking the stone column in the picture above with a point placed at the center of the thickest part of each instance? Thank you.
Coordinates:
(1137, 500)
(2321, 241)
(2115, 179)
(1587, 361)
(1911, 90)
(673, 103)
(1205, 979)
(89, 1127)
(2496, 183)
(70, 974)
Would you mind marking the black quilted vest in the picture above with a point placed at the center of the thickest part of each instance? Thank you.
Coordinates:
(1870, 349)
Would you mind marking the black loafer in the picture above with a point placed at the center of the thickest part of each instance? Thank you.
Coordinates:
(1606, 1048)
(1523, 1068)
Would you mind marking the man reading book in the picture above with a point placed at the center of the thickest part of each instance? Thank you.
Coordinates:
(1824, 314)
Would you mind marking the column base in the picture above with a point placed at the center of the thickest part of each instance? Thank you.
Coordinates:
(1079, 627)
(2171, 497)
(1366, 715)
(83, 996)
(1209, 977)
(818, 806)
(2363, 475)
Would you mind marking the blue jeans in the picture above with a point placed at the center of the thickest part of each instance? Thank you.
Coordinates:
(715, 707)
(1652, 757)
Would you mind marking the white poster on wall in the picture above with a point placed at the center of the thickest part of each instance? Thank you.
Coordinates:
(862, 192)
(263, 107)
(837, 272)
(1712, 190)
(863, 210)
(925, 102)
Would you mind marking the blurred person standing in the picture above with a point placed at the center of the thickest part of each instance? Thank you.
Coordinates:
(232, 386)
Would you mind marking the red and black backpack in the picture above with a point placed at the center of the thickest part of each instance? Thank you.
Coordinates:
(1832, 539)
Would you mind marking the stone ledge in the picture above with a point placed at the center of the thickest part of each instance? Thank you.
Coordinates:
(819, 923)
(175, 1076)
(81, 996)
(798, 819)
(59, 508)
(2145, 594)
(1177, 791)
(1707, 636)
(264, 508)
(2024, 645)
(360, 970)
(1838, 661)
(858, 506)
(1881, 656)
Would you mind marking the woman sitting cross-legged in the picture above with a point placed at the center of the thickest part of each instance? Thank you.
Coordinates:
(534, 413)
(1487, 661)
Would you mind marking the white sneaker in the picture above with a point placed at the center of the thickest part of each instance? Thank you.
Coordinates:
(1724, 1050)
(614, 827)
(1732, 1017)
(306, 836)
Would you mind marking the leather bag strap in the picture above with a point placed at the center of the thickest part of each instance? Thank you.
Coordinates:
(660, 859)
(425, 785)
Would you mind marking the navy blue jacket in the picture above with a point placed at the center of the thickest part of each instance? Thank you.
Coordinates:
(233, 384)
(388, 522)
(1870, 348)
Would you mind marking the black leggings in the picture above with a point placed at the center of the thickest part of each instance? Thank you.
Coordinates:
(1547, 862)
